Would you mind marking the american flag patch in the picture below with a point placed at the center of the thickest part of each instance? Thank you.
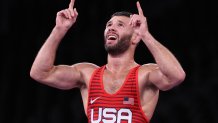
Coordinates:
(127, 100)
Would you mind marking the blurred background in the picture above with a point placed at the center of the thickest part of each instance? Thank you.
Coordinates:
(187, 27)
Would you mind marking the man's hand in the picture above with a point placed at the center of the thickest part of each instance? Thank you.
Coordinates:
(67, 17)
(139, 22)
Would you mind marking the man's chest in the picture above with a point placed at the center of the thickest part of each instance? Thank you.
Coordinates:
(113, 82)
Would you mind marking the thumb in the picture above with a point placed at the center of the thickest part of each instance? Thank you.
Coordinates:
(136, 38)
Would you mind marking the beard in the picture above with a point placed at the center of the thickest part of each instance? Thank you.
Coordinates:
(120, 47)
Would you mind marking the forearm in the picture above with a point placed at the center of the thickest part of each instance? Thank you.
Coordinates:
(166, 61)
(45, 58)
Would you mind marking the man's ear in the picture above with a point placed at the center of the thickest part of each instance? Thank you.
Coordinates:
(135, 38)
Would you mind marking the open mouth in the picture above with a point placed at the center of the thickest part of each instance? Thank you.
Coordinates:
(112, 37)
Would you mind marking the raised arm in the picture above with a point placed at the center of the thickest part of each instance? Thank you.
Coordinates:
(168, 72)
(43, 69)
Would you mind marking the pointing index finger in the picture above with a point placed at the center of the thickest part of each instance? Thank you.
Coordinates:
(139, 8)
(71, 5)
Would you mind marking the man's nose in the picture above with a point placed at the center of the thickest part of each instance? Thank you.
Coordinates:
(111, 28)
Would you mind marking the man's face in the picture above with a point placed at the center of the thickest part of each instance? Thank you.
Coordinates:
(117, 35)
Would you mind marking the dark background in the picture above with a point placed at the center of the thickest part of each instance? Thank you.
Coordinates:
(187, 27)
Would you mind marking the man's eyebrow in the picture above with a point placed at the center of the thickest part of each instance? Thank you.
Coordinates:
(121, 21)
(108, 22)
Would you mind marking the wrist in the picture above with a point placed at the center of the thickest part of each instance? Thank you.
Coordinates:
(58, 33)
(60, 29)
(147, 36)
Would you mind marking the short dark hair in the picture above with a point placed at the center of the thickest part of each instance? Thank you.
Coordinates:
(122, 13)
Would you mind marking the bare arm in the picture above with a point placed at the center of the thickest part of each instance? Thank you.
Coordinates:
(167, 73)
(43, 69)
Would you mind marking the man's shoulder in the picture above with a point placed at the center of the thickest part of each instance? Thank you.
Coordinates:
(85, 66)
(145, 69)
(149, 66)
(86, 69)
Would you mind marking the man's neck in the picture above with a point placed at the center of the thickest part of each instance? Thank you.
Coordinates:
(120, 63)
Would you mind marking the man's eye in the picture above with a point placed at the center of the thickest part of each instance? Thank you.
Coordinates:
(120, 24)
(108, 25)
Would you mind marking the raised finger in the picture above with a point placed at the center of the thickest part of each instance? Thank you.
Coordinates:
(71, 5)
(140, 11)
